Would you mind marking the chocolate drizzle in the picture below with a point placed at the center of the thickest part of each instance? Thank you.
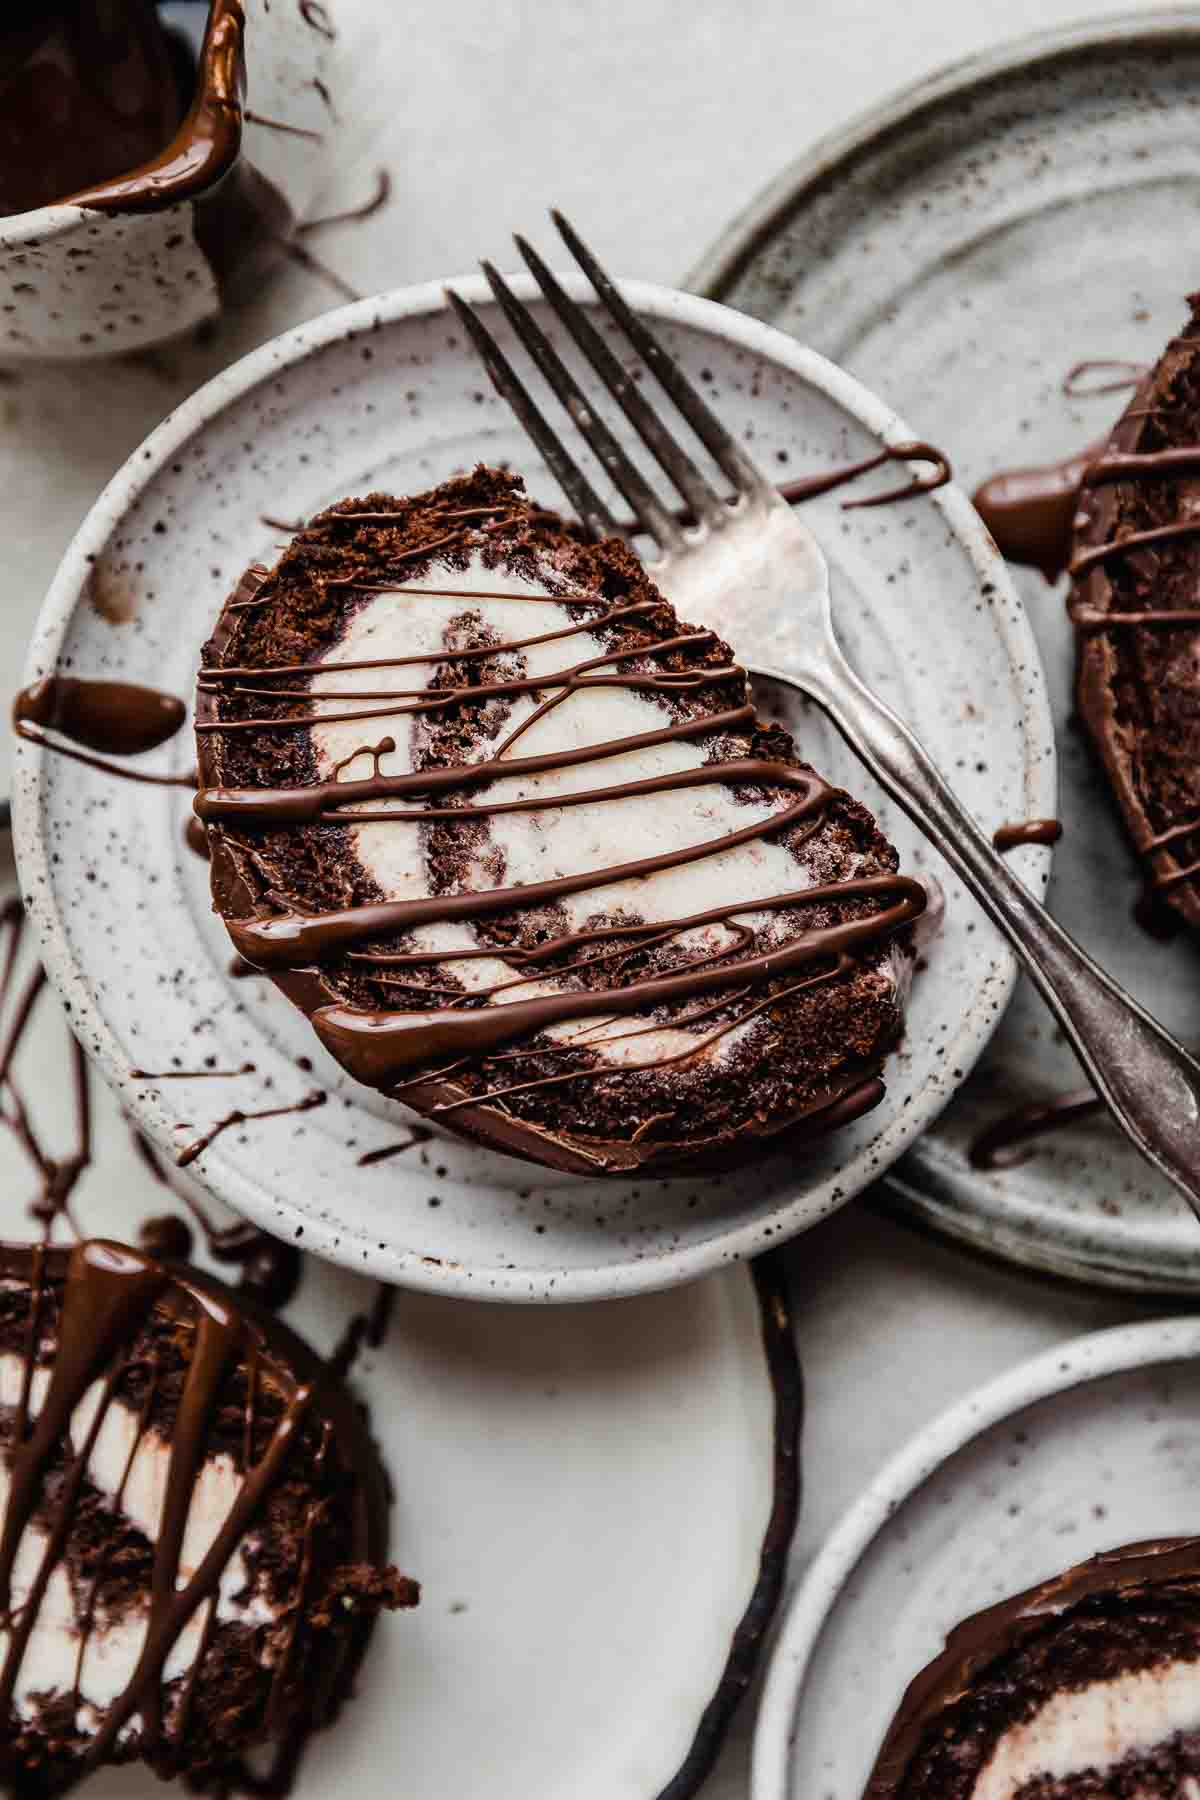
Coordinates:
(1032, 513)
(1006, 1142)
(236, 1116)
(1029, 831)
(58, 1176)
(329, 951)
(116, 717)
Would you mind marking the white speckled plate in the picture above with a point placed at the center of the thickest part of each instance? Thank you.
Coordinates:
(1089, 1446)
(546, 1466)
(386, 394)
(964, 247)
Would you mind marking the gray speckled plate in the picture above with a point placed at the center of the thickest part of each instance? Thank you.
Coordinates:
(386, 394)
(961, 249)
(1089, 1446)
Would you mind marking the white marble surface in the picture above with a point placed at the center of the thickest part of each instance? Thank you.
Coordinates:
(652, 123)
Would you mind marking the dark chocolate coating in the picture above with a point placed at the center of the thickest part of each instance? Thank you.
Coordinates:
(99, 1313)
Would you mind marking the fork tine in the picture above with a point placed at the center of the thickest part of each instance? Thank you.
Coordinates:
(703, 499)
(570, 478)
(725, 450)
(648, 509)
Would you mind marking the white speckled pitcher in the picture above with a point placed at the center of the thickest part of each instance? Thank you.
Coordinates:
(154, 252)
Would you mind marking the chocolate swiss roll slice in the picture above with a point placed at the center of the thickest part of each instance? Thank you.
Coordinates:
(1086, 1687)
(192, 1526)
(1135, 601)
(513, 836)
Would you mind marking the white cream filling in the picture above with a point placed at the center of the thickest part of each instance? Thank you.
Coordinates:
(541, 846)
(1095, 1728)
(48, 1664)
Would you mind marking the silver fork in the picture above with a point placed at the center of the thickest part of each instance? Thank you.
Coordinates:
(753, 571)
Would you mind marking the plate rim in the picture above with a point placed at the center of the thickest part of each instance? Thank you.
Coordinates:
(1094, 1356)
(768, 213)
(271, 361)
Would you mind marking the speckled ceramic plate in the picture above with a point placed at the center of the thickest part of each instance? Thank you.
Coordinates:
(532, 1452)
(386, 394)
(963, 248)
(1092, 1445)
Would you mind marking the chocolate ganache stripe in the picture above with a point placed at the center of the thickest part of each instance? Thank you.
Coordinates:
(292, 939)
(378, 1046)
(322, 799)
(431, 699)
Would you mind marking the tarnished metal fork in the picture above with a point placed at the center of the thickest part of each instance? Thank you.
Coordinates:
(753, 571)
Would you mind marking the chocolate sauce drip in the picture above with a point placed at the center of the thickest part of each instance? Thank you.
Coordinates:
(1006, 1142)
(1029, 831)
(270, 1270)
(195, 836)
(166, 1237)
(350, 215)
(247, 1068)
(314, 13)
(116, 717)
(1129, 375)
(808, 486)
(58, 1175)
(369, 1328)
(237, 1117)
(418, 1134)
(1031, 512)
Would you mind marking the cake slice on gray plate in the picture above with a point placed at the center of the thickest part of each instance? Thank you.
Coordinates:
(513, 836)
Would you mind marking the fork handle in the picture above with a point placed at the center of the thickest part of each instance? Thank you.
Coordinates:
(1148, 1081)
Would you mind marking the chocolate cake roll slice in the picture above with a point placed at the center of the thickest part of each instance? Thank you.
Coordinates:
(192, 1526)
(513, 836)
(1086, 1687)
(1135, 601)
